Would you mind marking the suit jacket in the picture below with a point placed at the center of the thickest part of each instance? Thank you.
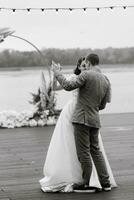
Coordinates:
(93, 94)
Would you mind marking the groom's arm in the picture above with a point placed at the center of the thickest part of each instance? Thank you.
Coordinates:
(107, 97)
(109, 92)
(69, 85)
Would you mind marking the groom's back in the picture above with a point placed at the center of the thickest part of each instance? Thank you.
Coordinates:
(89, 98)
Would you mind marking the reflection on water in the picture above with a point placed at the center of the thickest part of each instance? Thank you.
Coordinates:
(15, 88)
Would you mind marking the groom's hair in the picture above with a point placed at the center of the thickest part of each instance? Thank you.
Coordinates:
(93, 59)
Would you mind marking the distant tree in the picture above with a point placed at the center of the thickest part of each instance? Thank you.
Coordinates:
(12, 58)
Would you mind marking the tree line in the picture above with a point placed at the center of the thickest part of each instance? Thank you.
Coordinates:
(13, 58)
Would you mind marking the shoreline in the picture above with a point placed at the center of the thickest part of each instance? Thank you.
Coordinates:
(70, 67)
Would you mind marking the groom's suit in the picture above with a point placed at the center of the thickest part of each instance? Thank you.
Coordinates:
(93, 94)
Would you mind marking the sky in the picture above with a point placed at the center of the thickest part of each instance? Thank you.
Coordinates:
(64, 29)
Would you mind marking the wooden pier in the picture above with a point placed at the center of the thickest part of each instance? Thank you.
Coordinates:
(23, 151)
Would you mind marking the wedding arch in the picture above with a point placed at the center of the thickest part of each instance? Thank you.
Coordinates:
(44, 101)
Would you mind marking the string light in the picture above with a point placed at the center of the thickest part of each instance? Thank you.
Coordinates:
(70, 9)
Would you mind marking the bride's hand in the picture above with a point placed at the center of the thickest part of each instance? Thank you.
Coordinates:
(55, 67)
(60, 68)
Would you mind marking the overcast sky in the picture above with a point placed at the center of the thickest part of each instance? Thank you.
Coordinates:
(93, 29)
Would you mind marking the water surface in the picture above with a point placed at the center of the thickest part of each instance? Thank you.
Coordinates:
(16, 85)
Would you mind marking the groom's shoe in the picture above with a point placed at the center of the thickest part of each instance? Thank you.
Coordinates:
(83, 188)
(106, 187)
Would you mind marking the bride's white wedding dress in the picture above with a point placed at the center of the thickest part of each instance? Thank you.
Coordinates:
(62, 168)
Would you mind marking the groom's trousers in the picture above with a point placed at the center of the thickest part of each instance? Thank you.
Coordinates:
(87, 147)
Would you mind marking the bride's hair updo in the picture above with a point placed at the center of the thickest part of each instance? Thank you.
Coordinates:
(77, 71)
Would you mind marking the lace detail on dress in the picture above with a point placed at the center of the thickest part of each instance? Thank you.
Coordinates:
(74, 92)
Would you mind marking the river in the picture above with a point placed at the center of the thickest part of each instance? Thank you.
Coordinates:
(16, 85)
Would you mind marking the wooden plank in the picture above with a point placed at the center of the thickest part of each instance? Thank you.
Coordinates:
(23, 152)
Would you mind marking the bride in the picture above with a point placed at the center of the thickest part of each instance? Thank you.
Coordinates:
(62, 169)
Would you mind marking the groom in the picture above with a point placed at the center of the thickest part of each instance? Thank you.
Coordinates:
(93, 94)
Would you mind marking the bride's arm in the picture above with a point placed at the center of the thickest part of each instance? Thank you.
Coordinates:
(55, 84)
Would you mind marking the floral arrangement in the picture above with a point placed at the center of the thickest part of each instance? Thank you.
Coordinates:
(44, 101)
(13, 119)
(43, 113)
